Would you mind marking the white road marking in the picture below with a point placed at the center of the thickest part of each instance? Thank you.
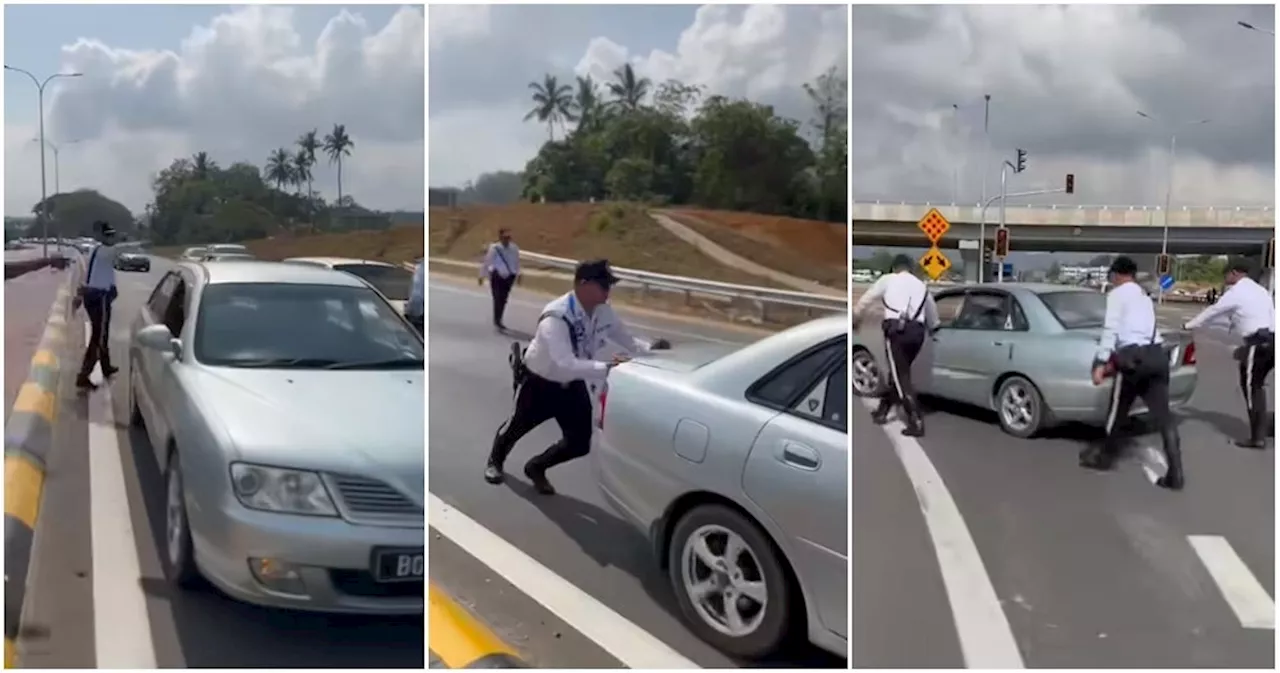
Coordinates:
(986, 638)
(121, 627)
(1242, 591)
(628, 643)
(535, 305)
(1153, 463)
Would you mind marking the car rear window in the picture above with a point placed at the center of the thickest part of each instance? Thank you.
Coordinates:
(1076, 309)
(393, 282)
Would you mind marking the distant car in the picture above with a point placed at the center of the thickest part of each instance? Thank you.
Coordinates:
(285, 406)
(224, 256)
(736, 467)
(226, 248)
(394, 282)
(194, 254)
(128, 261)
(1025, 351)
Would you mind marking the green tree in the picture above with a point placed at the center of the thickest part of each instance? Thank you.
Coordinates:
(627, 89)
(337, 144)
(553, 104)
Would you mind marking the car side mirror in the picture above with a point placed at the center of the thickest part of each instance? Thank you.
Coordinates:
(158, 338)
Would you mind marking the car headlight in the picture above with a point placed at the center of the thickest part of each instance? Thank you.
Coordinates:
(277, 489)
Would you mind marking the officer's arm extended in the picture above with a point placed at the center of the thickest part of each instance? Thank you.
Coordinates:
(618, 333)
(1230, 301)
(555, 334)
(1110, 329)
(875, 292)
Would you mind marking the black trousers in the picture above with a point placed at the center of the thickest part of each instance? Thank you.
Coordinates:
(538, 400)
(1257, 359)
(98, 306)
(901, 348)
(1153, 387)
(500, 288)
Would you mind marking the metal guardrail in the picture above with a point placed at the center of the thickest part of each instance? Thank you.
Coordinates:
(650, 281)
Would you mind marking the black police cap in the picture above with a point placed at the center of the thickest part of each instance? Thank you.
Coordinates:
(595, 270)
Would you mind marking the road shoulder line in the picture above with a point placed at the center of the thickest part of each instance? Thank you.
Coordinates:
(1242, 591)
(986, 639)
(621, 638)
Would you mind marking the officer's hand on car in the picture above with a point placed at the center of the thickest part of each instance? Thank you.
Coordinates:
(1099, 374)
(619, 359)
(660, 344)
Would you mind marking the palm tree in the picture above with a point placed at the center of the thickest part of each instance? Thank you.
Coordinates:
(202, 165)
(307, 144)
(552, 103)
(586, 102)
(338, 144)
(301, 169)
(279, 170)
(629, 91)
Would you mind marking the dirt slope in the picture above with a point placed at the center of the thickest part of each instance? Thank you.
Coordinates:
(398, 244)
(808, 249)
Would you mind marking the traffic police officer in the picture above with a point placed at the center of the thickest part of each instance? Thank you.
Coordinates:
(909, 316)
(553, 375)
(1130, 351)
(97, 294)
(1252, 317)
(501, 266)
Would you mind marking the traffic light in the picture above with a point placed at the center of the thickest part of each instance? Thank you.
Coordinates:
(1162, 264)
(1071, 183)
(1022, 161)
(1002, 243)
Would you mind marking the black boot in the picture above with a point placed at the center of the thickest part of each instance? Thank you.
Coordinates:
(1173, 479)
(1257, 431)
(493, 473)
(912, 418)
(538, 476)
(881, 415)
(1101, 457)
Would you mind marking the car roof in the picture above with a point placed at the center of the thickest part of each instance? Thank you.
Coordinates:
(1037, 288)
(333, 261)
(259, 271)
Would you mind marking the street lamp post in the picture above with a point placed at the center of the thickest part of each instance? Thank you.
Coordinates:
(44, 205)
(1168, 193)
(57, 171)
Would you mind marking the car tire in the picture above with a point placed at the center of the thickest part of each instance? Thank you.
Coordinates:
(863, 357)
(180, 564)
(1020, 391)
(774, 625)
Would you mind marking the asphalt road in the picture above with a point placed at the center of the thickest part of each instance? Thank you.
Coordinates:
(971, 548)
(28, 299)
(570, 552)
(94, 602)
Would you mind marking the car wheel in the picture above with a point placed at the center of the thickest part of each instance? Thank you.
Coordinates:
(1019, 407)
(181, 564)
(730, 582)
(135, 412)
(866, 374)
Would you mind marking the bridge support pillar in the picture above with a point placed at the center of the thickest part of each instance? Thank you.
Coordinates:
(971, 260)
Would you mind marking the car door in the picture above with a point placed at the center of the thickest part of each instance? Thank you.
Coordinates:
(142, 360)
(976, 347)
(161, 383)
(798, 473)
(939, 352)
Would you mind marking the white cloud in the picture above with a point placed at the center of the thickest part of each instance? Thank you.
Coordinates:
(237, 88)
(763, 52)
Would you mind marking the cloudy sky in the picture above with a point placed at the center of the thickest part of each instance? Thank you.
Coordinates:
(482, 59)
(1065, 84)
(161, 82)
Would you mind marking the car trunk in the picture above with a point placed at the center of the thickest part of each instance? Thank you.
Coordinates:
(1176, 343)
(684, 358)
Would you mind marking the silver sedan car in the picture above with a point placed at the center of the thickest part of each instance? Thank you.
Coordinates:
(394, 281)
(736, 467)
(285, 406)
(1025, 351)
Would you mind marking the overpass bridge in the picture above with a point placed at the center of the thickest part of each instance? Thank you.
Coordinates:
(1219, 230)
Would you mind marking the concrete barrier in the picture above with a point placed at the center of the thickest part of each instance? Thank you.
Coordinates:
(28, 439)
(456, 639)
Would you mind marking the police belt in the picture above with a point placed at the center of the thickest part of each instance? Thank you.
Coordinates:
(1262, 337)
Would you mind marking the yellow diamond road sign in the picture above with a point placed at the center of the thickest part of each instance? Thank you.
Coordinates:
(935, 263)
(934, 225)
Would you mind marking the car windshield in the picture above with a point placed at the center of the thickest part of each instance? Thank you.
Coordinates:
(393, 282)
(1076, 309)
(286, 325)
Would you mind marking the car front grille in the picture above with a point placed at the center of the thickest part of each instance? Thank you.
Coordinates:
(372, 501)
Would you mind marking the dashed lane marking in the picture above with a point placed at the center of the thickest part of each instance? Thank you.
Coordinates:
(1247, 597)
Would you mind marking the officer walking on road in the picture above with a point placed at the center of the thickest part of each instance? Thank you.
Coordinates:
(415, 308)
(502, 266)
(1252, 317)
(1130, 351)
(909, 316)
(552, 376)
(97, 293)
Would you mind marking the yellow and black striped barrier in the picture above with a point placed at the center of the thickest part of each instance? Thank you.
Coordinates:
(28, 438)
(458, 640)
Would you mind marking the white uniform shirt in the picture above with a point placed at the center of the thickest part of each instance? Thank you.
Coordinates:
(102, 268)
(1246, 306)
(902, 294)
(416, 306)
(501, 259)
(551, 354)
(1130, 320)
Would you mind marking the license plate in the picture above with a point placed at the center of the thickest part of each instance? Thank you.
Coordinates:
(398, 565)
